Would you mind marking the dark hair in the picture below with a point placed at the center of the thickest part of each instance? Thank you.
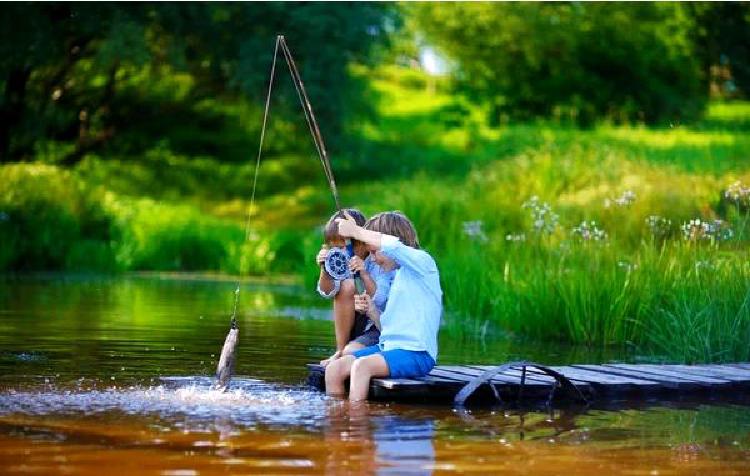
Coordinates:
(331, 230)
(395, 224)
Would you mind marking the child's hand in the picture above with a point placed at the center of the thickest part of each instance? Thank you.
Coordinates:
(362, 303)
(347, 226)
(321, 258)
(356, 264)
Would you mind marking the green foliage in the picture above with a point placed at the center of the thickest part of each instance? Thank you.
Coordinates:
(64, 64)
(635, 288)
(434, 157)
(609, 293)
(51, 220)
(163, 237)
(582, 61)
(722, 37)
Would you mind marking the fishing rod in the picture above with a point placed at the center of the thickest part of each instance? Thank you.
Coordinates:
(337, 260)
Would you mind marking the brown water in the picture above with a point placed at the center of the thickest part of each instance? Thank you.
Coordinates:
(111, 376)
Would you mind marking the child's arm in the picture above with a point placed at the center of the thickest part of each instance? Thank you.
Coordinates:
(406, 256)
(357, 265)
(363, 303)
(327, 286)
(348, 228)
(382, 289)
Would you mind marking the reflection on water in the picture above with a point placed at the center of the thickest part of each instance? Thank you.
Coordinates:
(114, 373)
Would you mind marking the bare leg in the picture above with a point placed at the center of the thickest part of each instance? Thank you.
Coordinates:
(362, 370)
(343, 313)
(336, 374)
(343, 318)
(336, 355)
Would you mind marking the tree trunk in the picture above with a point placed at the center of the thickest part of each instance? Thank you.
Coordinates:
(12, 109)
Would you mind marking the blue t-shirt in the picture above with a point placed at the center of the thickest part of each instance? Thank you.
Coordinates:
(411, 319)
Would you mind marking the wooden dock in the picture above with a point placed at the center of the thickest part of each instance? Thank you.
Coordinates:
(526, 383)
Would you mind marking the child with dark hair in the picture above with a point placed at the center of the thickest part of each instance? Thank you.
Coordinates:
(353, 330)
(409, 324)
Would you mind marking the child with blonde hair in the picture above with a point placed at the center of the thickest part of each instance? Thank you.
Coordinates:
(409, 324)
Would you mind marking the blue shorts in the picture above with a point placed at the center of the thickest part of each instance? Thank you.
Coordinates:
(401, 363)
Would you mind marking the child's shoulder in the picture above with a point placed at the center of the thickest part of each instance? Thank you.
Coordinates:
(375, 270)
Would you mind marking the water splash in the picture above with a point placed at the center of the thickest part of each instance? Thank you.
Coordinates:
(189, 400)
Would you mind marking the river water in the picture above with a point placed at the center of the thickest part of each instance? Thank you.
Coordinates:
(102, 375)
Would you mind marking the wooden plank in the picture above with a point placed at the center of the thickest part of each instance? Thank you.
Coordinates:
(734, 370)
(503, 378)
(515, 374)
(601, 378)
(422, 393)
(663, 374)
(669, 371)
(397, 382)
(583, 386)
(741, 367)
(665, 382)
(717, 372)
(465, 379)
(439, 372)
(471, 374)
(610, 379)
(427, 381)
(510, 387)
(533, 374)
(438, 380)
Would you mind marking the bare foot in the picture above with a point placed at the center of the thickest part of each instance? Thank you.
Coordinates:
(336, 355)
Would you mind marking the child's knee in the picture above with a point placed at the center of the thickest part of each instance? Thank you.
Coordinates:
(370, 366)
(339, 368)
(361, 367)
(347, 290)
(332, 371)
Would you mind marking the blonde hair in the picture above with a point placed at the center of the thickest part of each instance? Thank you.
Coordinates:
(396, 224)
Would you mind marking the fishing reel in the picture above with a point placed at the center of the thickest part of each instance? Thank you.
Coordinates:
(337, 264)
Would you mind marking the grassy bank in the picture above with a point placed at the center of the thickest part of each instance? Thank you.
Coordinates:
(536, 270)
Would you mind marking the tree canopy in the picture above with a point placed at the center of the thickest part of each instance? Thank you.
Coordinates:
(61, 63)
(587, 60)
(67, 70)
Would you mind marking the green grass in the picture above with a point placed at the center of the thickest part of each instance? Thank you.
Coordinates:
(666, 296)
(433, 155)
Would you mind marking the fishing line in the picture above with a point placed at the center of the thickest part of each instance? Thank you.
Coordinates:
(257, 167)
(312, 124)
(226, 360)
(225, 367)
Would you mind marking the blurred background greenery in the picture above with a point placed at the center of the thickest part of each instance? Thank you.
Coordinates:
(128, 135)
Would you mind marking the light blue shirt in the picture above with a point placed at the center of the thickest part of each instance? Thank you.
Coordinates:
(411, 319)
(382, 281)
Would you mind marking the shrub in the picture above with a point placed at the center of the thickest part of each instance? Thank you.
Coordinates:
(44, 213)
